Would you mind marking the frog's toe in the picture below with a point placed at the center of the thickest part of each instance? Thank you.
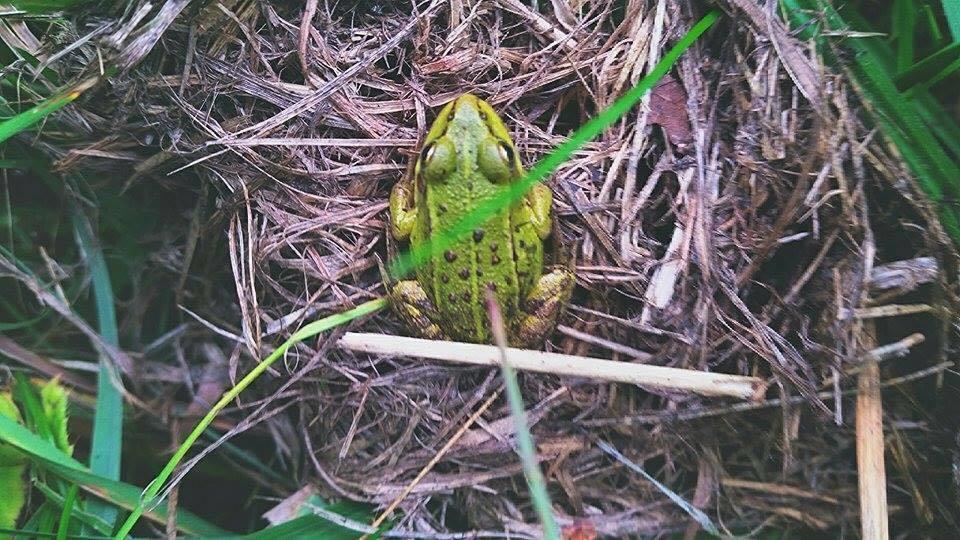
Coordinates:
(543, 306)
(413, 305)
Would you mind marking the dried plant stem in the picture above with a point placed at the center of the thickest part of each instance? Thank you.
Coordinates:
(700, 382)
(870, 445)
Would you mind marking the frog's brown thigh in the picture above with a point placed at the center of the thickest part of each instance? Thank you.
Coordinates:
(413, 305)
(543, 305)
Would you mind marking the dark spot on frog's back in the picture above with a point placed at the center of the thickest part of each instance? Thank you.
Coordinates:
(465, 295)
(445, 278)
(442, 208)
(494, 259)
(521, 243)
(494, 246)
(449, 255)
(452, 297)
(478, 235)
(464, 273)
(492, 286)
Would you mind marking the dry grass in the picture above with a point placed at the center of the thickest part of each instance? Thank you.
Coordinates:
(736, 223)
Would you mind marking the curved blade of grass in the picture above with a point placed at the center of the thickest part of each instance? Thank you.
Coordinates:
(49, 457)
(406, 263)
(594, 127)
(29, 117)
(536, 484)
(64, 525)
(931, 69)
(106, 448)
(59, 500)
(308, 331)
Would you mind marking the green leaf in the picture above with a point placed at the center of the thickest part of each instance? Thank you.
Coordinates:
(54, 399)
(107, 445)
(48, 457)
(12, 465)
(305, 528)
(31, 116)
(929, 70)
(903, 22)
(64, 526)
(951, 8)
(44, 6)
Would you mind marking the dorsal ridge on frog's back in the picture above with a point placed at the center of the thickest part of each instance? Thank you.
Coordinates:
(479, 260)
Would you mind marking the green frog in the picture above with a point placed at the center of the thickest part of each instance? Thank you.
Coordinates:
(468, 156)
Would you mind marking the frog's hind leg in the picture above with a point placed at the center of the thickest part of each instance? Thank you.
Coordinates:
(411, 303)
(543, 305)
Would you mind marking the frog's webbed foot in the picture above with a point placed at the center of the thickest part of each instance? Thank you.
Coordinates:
(416, 309)
(543, 306)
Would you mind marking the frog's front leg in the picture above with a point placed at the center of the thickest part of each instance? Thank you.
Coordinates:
(411, 303)
(550, 294)
(403, 210)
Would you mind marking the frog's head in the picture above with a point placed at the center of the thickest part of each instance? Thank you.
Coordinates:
(468, 136)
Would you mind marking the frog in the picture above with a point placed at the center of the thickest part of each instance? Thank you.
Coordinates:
(467, 157)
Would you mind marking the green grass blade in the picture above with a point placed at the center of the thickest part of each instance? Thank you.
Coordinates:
(903, 21)
(308, 331)
(951, 8)
(64, 526)
(16, 434)
(933, 26)
(936, 66)
(44, 6)
(106, 448)
(56, 499)
(536, 484)
(29, 117)
(48, 456)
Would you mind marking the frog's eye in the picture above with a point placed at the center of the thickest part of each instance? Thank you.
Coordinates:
(438, 159)
(497, 160)
(506, 151)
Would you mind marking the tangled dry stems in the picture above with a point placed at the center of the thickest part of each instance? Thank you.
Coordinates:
(734, 223)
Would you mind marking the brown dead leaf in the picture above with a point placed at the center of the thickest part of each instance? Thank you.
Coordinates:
(668, 109)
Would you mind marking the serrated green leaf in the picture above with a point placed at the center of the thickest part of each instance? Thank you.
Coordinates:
(12, 465)
(54, 399)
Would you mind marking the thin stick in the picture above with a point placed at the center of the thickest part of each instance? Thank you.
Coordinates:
(700, 382)
(433, 461)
